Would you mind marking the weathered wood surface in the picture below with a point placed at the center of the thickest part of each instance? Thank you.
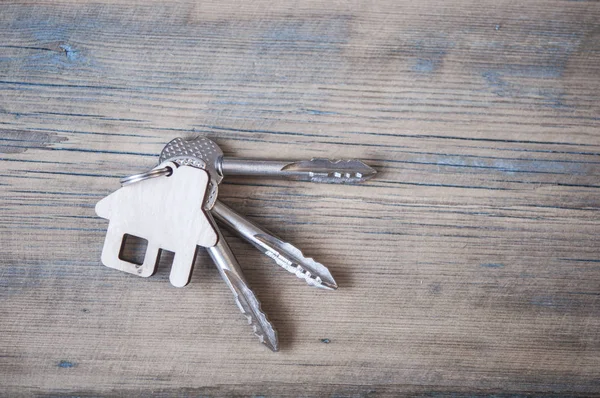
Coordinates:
(470, 265)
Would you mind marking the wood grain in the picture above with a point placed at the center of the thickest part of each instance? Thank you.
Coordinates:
(469, 267)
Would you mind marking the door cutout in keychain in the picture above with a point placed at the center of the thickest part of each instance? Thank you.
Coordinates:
(165, 211)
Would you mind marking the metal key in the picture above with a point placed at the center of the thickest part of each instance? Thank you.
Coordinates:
(245, 298)
(342, 171)
(202, 153)
(202, 150)
(285, 255)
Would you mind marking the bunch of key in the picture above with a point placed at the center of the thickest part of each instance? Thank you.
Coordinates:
(174, 206)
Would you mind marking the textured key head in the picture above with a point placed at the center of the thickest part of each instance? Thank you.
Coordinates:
(198, 152)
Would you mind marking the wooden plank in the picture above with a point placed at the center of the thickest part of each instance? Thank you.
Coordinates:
(469, 266)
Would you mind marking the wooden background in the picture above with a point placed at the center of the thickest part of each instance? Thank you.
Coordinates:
(469, 266)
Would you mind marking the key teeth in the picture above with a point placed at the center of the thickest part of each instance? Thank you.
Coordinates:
(261, 337)
(302, 273)
(250, 308)
(337, 177)
(334, 171)
(294, 261)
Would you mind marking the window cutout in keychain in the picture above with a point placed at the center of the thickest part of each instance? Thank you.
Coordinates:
(133, 249)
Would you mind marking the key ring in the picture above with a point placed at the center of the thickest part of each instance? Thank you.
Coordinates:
(156, 172)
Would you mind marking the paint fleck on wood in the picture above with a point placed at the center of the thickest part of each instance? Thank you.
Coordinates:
(492, 265)
(66, 364)
(19, 141)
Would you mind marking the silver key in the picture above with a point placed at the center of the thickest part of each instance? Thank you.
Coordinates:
(336, 171)
(244, 296)
(285, 255)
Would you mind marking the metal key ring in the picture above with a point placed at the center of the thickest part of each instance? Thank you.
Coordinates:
(156, 172)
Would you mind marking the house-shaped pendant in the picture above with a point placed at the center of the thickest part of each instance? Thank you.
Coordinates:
(167, 212)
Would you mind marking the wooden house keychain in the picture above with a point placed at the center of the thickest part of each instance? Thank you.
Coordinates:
(167, 212)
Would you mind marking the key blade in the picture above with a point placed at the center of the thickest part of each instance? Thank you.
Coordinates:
(292, 260)
(343, 171)
(284, 254)
(250, 307)
(245, 298)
